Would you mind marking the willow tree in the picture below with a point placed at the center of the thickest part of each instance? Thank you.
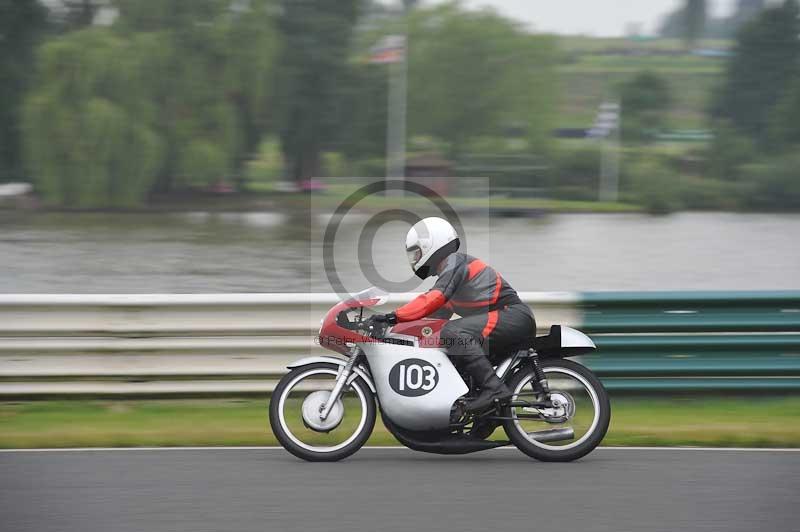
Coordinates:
(211, 81)
(89, 135)
(174, 95)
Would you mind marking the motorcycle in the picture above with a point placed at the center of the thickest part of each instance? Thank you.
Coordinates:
(325, 408)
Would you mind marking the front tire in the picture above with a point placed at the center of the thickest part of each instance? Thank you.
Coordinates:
(597, 422)
(289, 431)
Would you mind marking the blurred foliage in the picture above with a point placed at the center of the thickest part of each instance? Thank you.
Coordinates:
(766, 59)
(708, 194)
(362, 112)
(695, 21)
(211, 79)
(21, 24)
(204, 161)
(784, 127)
(334, 164)
(775, 182)
(478, 83)
(78, 14)
(184, 94)
(645, 101)
(473, 73)
(576, 172)
(316, 43)
(175, 95)
(653, 185)
(267, 165)
(90, 124)
(674, 25)
(728, 152)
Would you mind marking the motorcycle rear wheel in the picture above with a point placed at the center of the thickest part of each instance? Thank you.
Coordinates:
(575, 376)
(290, 432)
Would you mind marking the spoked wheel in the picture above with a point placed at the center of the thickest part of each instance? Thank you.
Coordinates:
(294, 414)
(576, 423)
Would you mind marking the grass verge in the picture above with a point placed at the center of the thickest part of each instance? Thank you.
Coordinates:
(714, 421)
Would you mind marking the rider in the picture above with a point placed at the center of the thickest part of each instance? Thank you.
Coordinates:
(493, 318)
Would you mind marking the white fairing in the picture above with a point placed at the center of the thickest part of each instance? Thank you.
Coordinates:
(573, 338)
(430, 409)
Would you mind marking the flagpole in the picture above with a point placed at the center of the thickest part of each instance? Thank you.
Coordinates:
(608, 123)
(396, 114)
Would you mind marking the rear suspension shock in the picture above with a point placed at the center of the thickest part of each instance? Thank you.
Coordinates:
(538, 373)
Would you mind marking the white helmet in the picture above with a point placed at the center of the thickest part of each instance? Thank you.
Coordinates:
(428, 242)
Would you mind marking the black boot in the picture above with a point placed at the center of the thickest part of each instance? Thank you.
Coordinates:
(493, 389)
(491, 386)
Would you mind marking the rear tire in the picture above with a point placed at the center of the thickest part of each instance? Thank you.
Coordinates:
(538, 451)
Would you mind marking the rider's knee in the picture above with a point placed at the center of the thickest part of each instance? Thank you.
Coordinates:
(453, 336)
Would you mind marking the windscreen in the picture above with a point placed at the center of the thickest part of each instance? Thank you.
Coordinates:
(370, 297)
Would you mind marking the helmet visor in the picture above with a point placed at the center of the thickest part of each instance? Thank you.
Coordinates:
(414, 254)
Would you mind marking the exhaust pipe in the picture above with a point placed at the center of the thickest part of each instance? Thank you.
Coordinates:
(545, 436)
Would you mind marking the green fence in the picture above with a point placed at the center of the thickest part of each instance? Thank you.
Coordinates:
(701, 341)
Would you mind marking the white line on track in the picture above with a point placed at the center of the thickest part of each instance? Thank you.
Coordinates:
(377, 448)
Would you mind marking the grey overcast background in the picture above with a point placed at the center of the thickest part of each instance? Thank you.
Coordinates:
(591, 17)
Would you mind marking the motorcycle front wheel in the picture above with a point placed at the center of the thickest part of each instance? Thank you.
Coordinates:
(294, 414)
(573, 427)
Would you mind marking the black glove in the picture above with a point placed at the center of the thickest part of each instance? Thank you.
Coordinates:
(389, 319)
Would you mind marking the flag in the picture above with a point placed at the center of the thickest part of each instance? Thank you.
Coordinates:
(391, 49)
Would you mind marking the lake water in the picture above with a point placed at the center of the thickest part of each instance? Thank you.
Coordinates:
(275, 252)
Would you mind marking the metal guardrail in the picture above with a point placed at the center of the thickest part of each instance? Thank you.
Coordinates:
(695, 340)
(130, 345)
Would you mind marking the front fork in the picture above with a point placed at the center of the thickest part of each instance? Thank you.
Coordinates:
(341, 382)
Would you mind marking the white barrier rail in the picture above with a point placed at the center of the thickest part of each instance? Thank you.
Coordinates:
(156, 344)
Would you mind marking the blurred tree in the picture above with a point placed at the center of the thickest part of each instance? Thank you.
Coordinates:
(784, 127)
(774, 183)
(188, 90)
(745, 11)
(21, 22)
(767, 58)
(694, 22)
(645, 100)
(89, 137)
(653, 185)
(79, 13)
(211, 79)
(362, 108)
(473, 73)
(673, 26)
(729, 152)
(316, 42)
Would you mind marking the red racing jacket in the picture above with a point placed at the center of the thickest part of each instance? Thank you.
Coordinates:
(466, 286)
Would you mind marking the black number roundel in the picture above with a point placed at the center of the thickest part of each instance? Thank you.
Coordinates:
(413, 377)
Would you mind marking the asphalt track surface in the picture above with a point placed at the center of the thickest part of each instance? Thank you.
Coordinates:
(389, 490)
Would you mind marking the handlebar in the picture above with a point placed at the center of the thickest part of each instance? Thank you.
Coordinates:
(368, 326)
